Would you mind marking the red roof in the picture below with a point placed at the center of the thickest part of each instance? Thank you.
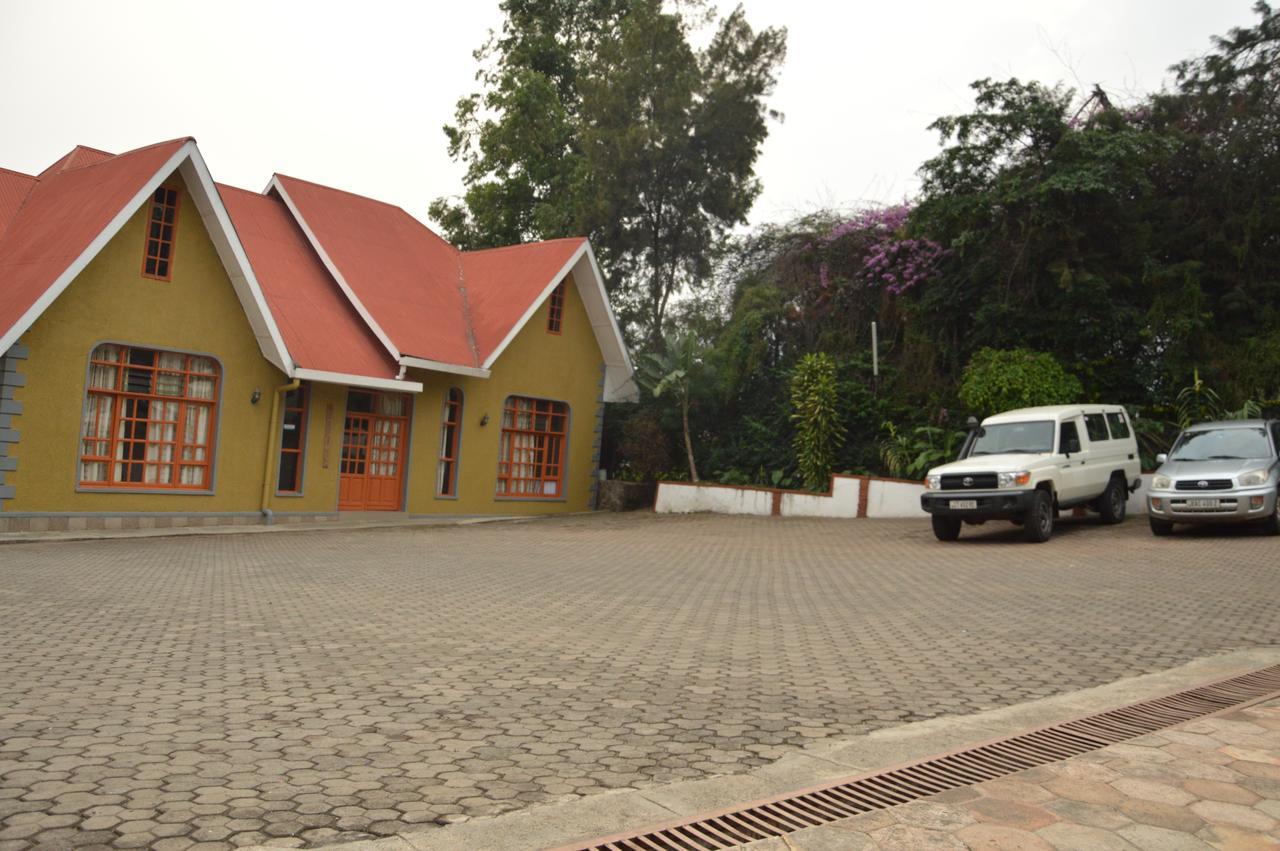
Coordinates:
(14, 187)
(431, 300)
(405, 288)
(62, 215)
(320, 327)
(407, 278)
(77, 157)
(503, 283)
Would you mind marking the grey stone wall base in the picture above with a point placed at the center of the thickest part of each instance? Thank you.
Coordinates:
(10, 380)
(74, 522)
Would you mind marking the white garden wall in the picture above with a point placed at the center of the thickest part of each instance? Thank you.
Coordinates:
(894, 499)
(841, 502)
(882, 498)
(683, 498)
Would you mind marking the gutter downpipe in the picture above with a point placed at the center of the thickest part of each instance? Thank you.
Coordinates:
(267, 515)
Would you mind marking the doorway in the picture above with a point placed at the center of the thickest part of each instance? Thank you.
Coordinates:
(371, 475)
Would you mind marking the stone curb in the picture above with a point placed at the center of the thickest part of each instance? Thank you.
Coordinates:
(828, 760)
(188, 531)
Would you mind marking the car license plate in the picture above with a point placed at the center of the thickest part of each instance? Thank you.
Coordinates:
(1203, 503)
(964, 503)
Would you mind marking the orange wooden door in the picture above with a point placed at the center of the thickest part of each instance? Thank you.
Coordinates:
(371, 475)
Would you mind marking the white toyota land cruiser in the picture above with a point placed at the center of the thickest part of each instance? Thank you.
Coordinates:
(1028, 464)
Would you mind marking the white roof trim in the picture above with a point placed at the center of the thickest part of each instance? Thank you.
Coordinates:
(382, 336)
(218, 225)
(234, 259)
(441, 366)
(369, 381)
(619, 384)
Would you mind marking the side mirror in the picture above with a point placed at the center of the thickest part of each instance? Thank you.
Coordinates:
(1072, 445)
(1162, 457)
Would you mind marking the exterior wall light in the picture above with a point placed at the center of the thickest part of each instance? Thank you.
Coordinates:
(257, 395)
(484, 421)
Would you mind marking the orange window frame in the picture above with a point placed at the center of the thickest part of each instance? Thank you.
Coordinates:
(162, 228)
(450, 439)
(555, 309)
(531, 454)
(298, 452)
(129, 420)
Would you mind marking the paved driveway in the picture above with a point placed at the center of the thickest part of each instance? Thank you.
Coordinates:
(337, 685)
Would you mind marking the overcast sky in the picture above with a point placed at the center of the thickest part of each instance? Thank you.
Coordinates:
(354, 94)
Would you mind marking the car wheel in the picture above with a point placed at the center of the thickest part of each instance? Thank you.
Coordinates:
(1037, 526)
(946, 528)
(1112, 503)
(1271, 526)
(1160, 528)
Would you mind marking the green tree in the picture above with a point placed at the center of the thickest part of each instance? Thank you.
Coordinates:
(671, 141)
(815, 410)
(600, 118)
(671, 373)
(519, 138)
(1001, 380)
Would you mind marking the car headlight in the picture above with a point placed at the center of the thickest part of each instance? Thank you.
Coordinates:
(1254, 477)
(1013, 480)
(1161, 483)
(933, 482)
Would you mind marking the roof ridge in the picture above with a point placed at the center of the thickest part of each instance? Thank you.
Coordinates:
(110, 156)
(241, 189)
(378, 201)
(14, 171)
(467, 320)
(526, 244)
(348, 192)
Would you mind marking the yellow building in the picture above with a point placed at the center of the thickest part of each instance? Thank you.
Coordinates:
(180, 352)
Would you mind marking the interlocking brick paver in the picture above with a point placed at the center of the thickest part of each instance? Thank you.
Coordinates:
(305, 688)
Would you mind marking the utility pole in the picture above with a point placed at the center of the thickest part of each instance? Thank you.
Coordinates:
(875, 358)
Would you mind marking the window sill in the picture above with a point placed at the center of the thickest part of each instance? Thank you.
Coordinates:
(290, 494)
(169, 491)
(453, 498)
(531, 499)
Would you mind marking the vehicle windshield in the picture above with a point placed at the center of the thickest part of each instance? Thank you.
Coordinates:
(1221, 443)
(1032, 438)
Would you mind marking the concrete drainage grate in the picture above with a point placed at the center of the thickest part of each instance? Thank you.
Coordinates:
(846, 798)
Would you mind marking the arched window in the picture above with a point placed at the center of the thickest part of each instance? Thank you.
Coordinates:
(450, 437)
(148, 419)
(531, 457)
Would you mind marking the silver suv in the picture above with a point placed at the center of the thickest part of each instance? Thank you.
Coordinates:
(1222, 472)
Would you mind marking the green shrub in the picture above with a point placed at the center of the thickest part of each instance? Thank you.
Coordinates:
(1003, 379)
(815, 410)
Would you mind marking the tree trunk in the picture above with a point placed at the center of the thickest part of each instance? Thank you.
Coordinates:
(688, 442)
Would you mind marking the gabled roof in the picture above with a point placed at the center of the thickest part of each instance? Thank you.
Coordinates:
(320, 329)
(336, 286)
(59, 221)
(433, 306)
(82, 202)
(503, 283)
